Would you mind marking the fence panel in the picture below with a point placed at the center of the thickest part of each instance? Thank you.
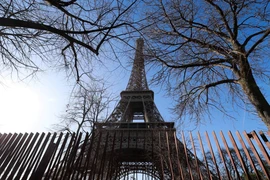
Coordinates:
(92, 156)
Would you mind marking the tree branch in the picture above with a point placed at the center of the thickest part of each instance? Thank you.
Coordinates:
(59, 3)
(33, 25)
(116, 19)
(266, 33)
(225, 81)
(222, 16)
(208, 63)
(253, 35)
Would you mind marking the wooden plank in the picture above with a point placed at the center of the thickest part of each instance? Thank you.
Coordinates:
(53, 168)
(3, 141)
(256, 154)
(72, 157)
(17, 161)
(89, 151)
(10, 162)
(178, 156)
(39, 173)
(195, 156)
(50, 168)
(248, 154)
(63, 167)
(78, 162)
(260, 145)
(161, 144)
(186, 156)
(230, 155)
(204, 157)
(95, 160)
(103, 157)
(264, 138)
(239, 155)
(169, 154)
(33, 158)
(25, 158)
(9, 151)
(221, 155)
(212, 154)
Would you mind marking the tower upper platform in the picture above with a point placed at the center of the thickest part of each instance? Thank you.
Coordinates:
(137, 80)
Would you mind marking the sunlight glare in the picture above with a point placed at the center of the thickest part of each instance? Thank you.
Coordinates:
(19, 108)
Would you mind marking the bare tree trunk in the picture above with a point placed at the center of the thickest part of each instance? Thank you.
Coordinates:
(253, 92)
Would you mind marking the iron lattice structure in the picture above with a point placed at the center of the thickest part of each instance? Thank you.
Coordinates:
(135, 148)
(137, 80)
(137, 101)
(143, 142)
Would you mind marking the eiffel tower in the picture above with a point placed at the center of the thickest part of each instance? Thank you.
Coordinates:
(135, 142)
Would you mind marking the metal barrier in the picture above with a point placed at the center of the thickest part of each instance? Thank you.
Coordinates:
(70, 156)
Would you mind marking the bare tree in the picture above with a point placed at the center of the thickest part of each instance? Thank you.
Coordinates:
(211, 52)
(88, 104)
(66, 33)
